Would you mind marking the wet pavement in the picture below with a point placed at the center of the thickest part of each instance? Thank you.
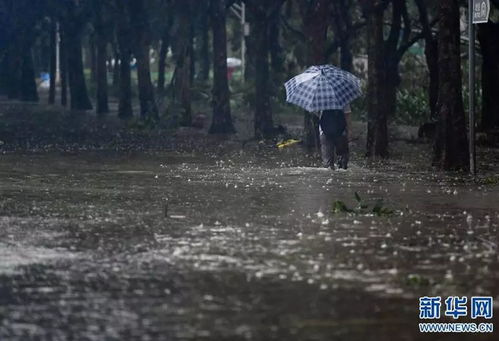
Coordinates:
(251, 248)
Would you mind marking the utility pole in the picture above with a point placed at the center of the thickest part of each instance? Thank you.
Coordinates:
(478, 13)
(471, 86)
(57, 54)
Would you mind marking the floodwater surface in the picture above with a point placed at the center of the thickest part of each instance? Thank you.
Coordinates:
(172, 246)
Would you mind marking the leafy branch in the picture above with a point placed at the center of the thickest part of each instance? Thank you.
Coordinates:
(378, 209)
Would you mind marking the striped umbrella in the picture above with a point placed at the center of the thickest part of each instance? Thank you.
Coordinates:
(323, 87)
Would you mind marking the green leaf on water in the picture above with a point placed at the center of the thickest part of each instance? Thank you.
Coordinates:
(358, 198)
(416, 280)
(341, 207)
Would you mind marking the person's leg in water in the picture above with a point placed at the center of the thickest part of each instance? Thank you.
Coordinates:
(327, 150)
(342, 150)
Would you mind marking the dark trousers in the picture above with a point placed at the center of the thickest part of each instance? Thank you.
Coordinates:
(332, 146)
(333, 127)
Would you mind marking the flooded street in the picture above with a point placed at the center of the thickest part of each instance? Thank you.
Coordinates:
(251, 248)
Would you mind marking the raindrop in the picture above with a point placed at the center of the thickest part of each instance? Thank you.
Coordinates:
(469, 220)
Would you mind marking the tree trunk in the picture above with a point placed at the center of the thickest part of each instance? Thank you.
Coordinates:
(222, 120)
(21, 82)
(205, 50)
(377, 131)
(28, 88)
(163, 52)
(276, 50)
(315, 22)
(92, 58)
(102, 86)
(141, 46)
(182, 54)
(343, 31)
(431, 53)
(346, 56)
(192, 71)
(4, 74)
(77, 85)
(148, 108)
(451, 148)
(64, 68)
(487, 35)
(125, 110)
(53, 61)
(14, 62)
(264, 123)
(116, 66)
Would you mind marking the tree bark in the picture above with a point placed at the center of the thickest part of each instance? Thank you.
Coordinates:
(115, 65)
(487, 35)
(102, 86)
(344, 31)
(64, 68)
(141, 46)
(192, 71)
(451, 148)
(315, 22)
(163, 52)
(182, 54)
(276, 50)
(377, 136)
(91, 55)
(14, 62)
(431, 54)
(222, 120)
(4, 75)
(205, 51)
(28, 84)
(77, 84)
(124, 37)
(264, 123)
(53, 61)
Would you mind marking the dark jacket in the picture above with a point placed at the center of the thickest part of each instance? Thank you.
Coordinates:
(333, 123)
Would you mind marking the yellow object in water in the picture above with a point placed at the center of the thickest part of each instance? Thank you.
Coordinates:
(287, 143)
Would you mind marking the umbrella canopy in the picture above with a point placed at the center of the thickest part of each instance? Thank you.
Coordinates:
(323, 87)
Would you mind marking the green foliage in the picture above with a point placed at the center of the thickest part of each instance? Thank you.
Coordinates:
(378, 209)
(491, 180)
(415, 280)
(413, 107)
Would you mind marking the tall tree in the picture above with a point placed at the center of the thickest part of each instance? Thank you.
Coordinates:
(102, 28)
(64, 68)
(431, 53)
(164, 48)
(19, 35)
(377, 135)
(451, 148)
(222, 120)
(315, 15)
(488, 36)
(344, 31)
(204, 49)
(53, 60)
(124, 37)
(262, 11)
(73, 23)
(385, 56)
(139, 20)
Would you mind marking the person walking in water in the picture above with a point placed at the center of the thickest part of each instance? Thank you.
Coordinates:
(334, 129)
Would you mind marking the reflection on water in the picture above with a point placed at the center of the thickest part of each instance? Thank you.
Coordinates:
(250, 248)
